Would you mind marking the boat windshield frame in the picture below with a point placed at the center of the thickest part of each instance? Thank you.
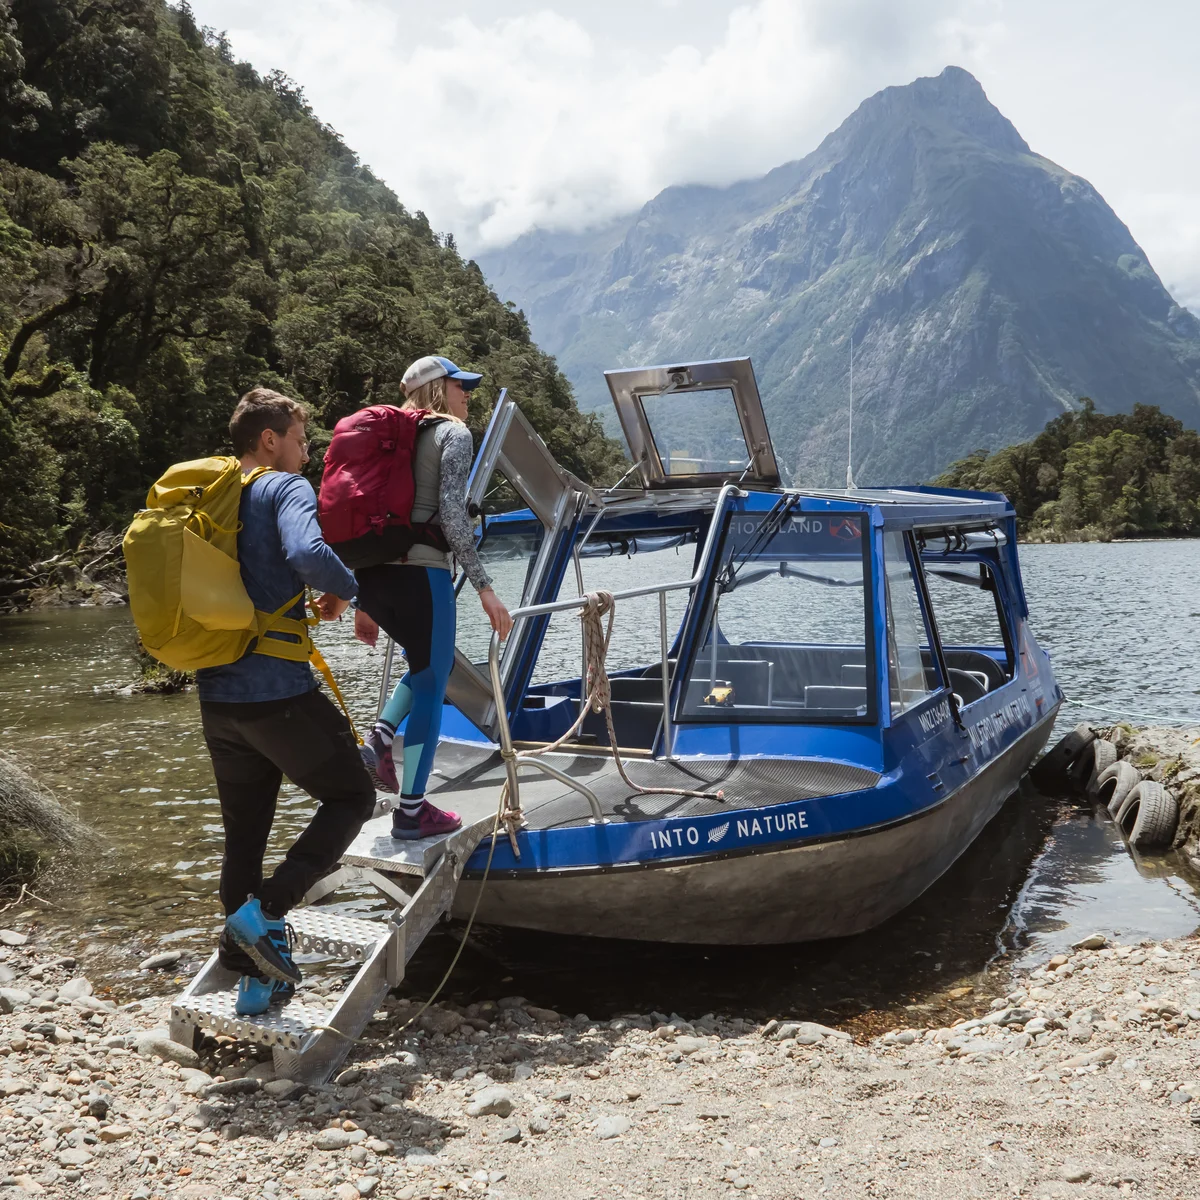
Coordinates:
(693, 644)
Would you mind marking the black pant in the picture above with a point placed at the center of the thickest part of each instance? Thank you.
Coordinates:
(253, 746)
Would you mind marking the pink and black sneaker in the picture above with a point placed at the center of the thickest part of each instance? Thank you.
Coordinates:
(428, 821)
(377, 758)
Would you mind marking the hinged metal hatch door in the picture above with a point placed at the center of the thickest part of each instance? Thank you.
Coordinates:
(695, 424)
(512, 447)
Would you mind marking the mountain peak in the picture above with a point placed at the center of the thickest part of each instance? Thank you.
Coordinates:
(955, 98)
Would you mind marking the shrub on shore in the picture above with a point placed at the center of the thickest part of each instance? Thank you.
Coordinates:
(34, 826)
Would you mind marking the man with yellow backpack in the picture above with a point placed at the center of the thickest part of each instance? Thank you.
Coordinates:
(264, 715)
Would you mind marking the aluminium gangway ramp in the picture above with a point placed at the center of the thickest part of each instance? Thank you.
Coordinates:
(309, 1042)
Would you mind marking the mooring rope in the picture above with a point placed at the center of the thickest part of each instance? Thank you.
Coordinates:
(1157, 718)
(596, 639)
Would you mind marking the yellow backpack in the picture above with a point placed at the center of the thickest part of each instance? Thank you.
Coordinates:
(185, 586)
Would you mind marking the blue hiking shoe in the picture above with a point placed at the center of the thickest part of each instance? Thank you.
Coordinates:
(256, 995)
(265, 941)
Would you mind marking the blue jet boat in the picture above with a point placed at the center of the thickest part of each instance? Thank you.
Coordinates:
(846, 682)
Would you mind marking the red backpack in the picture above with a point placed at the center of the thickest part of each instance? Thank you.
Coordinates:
(366, 501)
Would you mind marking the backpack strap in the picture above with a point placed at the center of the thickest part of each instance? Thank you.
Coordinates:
(304, 650)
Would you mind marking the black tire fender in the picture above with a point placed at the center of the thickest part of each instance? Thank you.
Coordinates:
(1104, 754)
(1051, 770)
(1150, 816)
(1113, 786)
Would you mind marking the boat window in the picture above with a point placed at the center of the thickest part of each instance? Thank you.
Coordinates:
(912, 676)
(971, 624)
(508, 557)
(697, 432)
(616, 564)
(788, 635)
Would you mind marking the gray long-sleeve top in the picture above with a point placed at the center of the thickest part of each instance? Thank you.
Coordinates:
(441, 467)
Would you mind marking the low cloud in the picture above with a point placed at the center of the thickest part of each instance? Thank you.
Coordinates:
(493, 127)
(506, 116)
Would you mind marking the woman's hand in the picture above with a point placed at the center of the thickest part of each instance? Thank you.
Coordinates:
(365, 629)
(497, 614)
(329, 607)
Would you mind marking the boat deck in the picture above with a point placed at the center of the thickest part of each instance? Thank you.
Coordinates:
(471, 778)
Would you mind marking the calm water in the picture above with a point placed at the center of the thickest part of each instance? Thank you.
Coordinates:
(1120, 621)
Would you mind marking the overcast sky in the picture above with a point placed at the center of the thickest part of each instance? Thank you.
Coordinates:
(494, 116)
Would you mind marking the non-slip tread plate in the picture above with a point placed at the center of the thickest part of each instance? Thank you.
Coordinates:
(286, 1025)
(745, 783)
(321, 932)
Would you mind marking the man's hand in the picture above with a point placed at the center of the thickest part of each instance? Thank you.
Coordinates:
(330, 607)
(497, 614)
(365, 629)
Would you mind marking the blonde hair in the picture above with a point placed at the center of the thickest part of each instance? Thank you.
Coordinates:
(432, 396)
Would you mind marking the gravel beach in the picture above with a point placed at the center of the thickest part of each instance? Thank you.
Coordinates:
(1082, 1080)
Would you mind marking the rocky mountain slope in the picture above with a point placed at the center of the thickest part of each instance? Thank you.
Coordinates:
(985, 289)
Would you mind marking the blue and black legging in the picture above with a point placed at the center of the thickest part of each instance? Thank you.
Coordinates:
(415, 607)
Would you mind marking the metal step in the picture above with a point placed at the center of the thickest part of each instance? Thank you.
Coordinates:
(375, 847)
(319, 931)
(309, 1042)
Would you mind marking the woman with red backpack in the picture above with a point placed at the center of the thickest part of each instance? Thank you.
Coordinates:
(412, 598)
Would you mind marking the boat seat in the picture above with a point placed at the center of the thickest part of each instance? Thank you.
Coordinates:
(854, 675)
(645, 688)
(968, 685)
(751, 680)
(841, 698)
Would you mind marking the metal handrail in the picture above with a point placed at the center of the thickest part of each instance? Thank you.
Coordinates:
(511, 762)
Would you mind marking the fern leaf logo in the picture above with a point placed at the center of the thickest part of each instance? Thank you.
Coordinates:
(715, 835)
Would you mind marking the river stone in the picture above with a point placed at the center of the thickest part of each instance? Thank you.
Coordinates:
(14, 998)
(1072, 1173)
(282, 1089)
(158, 962)
(367, 1184)
(98, 1107)
(346, 1191)
(74, 1158)
(539, 1125)
(14, 1087)
(691, 1045)
(546, 1015)
(1093, 941)
(507, 1133)
(440, 1020)
(611, 1127)
(158, 1041)
(115, 1133)
(491, 1101)
(807, 1033)
(332, 1139)
(1105, 1055)
(74, 989)
(7, 974)
(10, 937)
(233, 1087)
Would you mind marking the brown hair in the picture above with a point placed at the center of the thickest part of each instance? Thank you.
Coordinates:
(259, 409)
(431, 395)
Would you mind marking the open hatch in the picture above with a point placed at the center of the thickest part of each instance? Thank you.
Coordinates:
(696, 424)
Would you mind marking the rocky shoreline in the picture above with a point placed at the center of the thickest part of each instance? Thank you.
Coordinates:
(1081, 1080)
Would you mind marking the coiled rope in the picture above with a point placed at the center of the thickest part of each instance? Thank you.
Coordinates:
(596, 639)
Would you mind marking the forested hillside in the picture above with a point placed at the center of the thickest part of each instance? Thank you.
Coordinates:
(175, 229)
(1092, 475)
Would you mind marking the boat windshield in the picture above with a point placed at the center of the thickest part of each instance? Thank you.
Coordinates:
(787, 637)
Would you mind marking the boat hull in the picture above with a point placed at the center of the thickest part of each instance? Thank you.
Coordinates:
(795, 893)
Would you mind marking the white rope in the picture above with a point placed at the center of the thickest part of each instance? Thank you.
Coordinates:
(596, 639)
(1157, 718)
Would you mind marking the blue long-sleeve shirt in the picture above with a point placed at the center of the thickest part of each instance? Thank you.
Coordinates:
(280, 550)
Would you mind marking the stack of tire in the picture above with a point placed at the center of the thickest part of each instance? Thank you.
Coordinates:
(1085, 762)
